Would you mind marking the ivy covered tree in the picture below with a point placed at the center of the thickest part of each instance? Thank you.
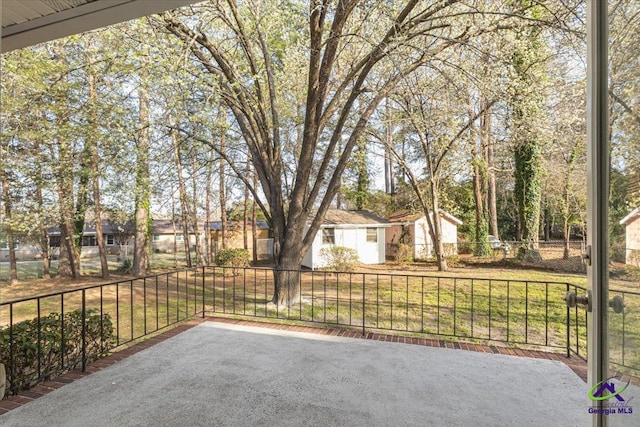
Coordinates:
(526, 120)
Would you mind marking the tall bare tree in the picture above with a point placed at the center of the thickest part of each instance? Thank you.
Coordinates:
(238, 47)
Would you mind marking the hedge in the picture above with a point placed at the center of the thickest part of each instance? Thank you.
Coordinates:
(60, 345)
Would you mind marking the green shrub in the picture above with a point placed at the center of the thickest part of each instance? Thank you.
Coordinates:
(234, 258)
(60, 345)
(126, 266)
(339, 258)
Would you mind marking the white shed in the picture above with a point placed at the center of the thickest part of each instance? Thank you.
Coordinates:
(361, 230)
(413, 229)
(632, 233)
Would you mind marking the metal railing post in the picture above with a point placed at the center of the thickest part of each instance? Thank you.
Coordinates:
(203, 290)
(12, 360)
(84, 330)
(39, 346)
(568, 327)
(364, 299)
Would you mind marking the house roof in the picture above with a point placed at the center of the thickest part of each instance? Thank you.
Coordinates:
(237, 225)
(407, 216)
(167, 226)
(357, 217)
(631, 217)
(89, 228)
(158, 226)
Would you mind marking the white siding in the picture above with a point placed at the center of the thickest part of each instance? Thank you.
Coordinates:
(633, 242)
(355, 238)
(418, 234)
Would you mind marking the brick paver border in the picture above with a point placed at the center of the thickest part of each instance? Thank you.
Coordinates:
(578, 365)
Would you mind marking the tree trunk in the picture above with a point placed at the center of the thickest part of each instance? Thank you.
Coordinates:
(95, 174)
(245, 212)
(527, 189)
(435, 228)
(286, 274)
(173, 228)
(491, 172)
(69, 261)
(194, 211)
(566, 227)
(82, 199)
(143, 193)
(482, 247)
(547, 223)
(184, 209)
(175, 241)
(42, 229)
(207, 207)
(223, 199)
(254, 220)
(6, 199)
(388, 157)
(565, 238)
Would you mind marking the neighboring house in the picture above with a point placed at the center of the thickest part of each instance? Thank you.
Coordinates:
(168, 236)
(363, 231)
(632, 236)
(413, 229)
(89, 242)
(24, 252)
(234, 237)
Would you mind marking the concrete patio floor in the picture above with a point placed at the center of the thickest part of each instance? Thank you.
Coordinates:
(219, 374)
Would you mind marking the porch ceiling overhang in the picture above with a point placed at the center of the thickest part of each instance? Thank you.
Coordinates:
(25, 23)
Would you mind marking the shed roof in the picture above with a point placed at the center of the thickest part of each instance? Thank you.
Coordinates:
(407, 216)
(355, 217)
(631, 217)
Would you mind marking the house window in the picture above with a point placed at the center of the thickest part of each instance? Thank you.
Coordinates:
(89, 241)
(328, 236)
(110, 240)
(179, 237)
(372, 234)
(4, 243)
(156, 237)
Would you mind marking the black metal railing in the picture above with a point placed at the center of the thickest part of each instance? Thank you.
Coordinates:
(45, 335)
(510, 311)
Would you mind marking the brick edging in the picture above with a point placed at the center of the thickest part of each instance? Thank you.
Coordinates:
(26, 396)
(578, 365)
